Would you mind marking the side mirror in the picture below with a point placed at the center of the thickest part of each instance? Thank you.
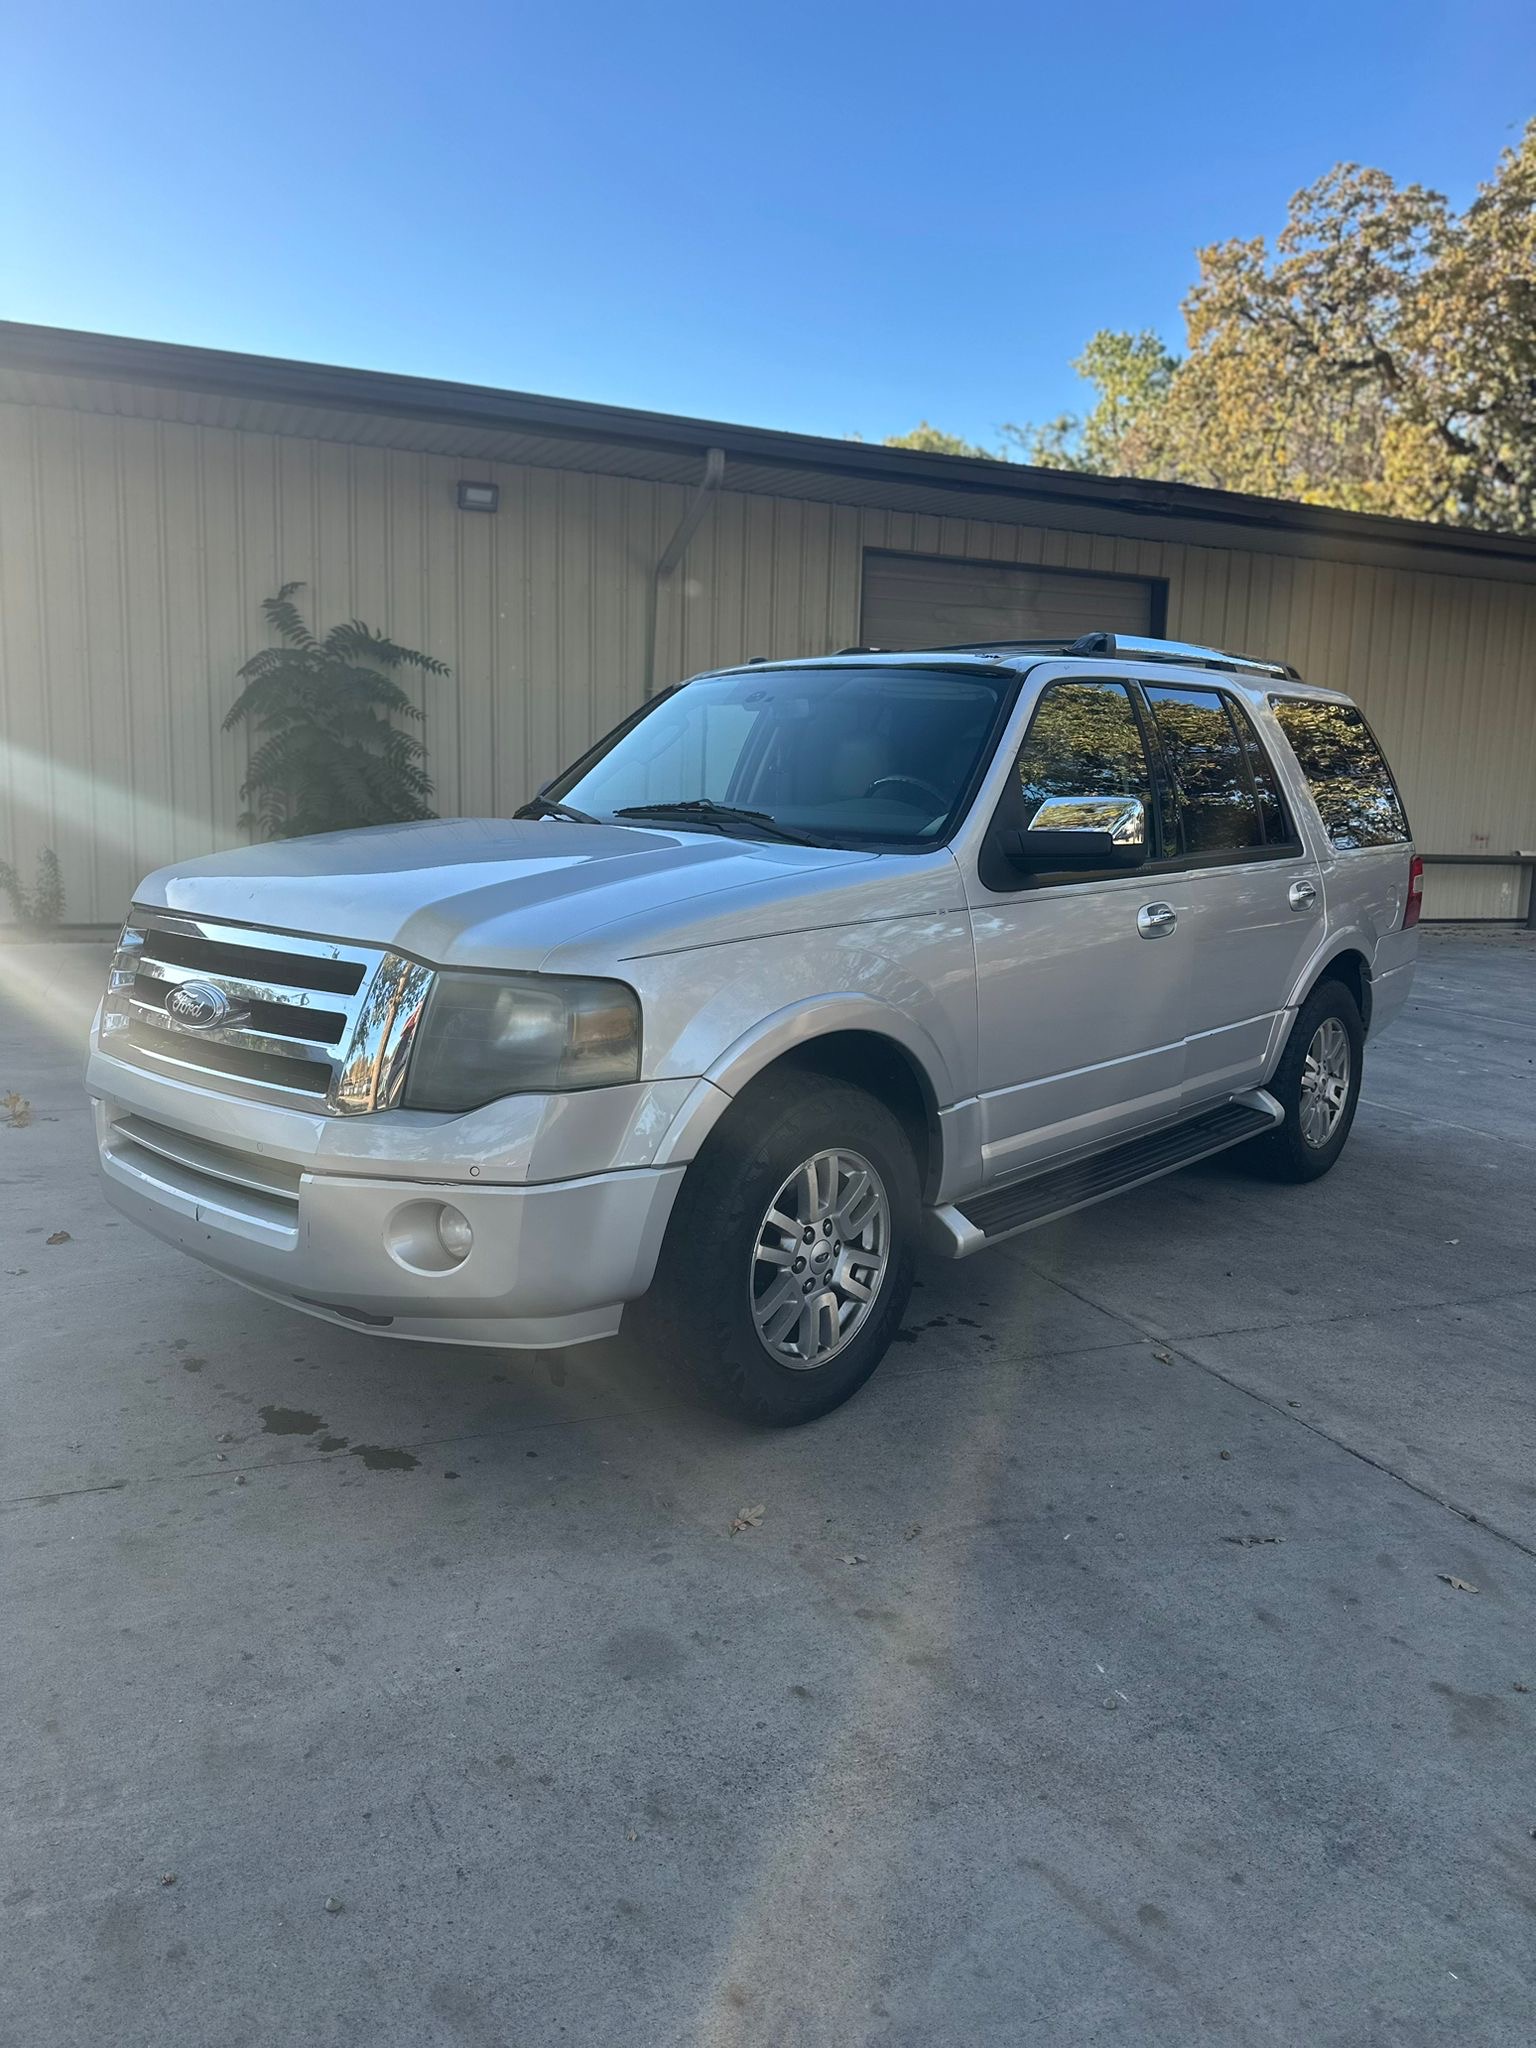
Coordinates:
(1082, 832)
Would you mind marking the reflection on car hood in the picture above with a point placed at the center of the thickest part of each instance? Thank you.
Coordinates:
(484, 891)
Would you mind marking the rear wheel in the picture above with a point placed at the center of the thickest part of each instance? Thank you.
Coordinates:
(1317, 1083)
(789, 1258)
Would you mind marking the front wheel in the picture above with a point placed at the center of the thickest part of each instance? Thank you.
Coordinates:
(1317, 1083)
(789, 1257)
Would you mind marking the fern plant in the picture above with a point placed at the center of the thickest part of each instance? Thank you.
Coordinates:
(327, 753)
(41, 906)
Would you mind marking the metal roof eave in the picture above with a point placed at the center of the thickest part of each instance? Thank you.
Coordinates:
(761, 458)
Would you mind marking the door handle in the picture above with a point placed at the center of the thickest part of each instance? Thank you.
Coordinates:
(1156, 920)
(1303, 895)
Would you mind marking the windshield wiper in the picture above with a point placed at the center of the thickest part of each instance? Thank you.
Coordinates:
(703, 810)
(551, 807)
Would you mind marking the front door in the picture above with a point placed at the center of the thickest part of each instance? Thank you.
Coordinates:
(1256, 909)
(1080, 977)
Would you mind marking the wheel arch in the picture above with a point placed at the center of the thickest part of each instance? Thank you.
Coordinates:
(1349, 965)
(869, 1045)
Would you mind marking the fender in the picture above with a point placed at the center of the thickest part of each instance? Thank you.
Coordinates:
(799, 1023)
(1351, 939)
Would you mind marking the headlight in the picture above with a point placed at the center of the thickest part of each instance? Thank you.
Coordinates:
(488, 1035)
(115, 1014)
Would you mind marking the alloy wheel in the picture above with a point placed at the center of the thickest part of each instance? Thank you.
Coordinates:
(819, 1257)
(1324, 1083)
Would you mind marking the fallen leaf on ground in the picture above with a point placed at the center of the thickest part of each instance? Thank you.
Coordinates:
(1163, 1357)
(749, 1518)
(58, 1237)
(1521, 1686)
(18, 1110)
(916, 1529)
(169, 1877)
(855, 1558)
(1461, 1585)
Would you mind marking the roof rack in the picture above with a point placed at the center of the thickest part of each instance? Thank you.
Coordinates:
(1132, 647)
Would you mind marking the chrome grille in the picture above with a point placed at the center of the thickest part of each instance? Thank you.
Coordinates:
(310, 1022)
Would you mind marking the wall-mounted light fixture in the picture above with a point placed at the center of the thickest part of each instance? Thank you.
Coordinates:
(478, 497)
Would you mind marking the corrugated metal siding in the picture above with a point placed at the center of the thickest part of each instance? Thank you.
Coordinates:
(134, 554)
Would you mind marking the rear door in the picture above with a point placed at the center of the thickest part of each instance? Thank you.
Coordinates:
(1255, 891)
(1369, 846)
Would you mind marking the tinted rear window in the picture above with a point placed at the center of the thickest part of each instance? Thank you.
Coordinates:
(1350, 779)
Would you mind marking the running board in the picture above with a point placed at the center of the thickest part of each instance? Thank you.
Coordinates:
(956, 1230)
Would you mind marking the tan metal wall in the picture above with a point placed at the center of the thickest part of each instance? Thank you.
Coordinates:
(134, 554)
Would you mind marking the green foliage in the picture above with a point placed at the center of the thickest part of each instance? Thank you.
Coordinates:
(41, 906)
(327, 755)
(929, 440)
(1120, 434)
(1380, 357)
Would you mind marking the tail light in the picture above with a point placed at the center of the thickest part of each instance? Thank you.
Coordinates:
(1415, 902)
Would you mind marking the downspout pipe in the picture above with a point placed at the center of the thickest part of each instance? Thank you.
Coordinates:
(674, 551)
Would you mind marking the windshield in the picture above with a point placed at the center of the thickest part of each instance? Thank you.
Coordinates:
(862, 754)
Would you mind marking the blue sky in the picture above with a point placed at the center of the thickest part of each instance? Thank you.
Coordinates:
(835, 218)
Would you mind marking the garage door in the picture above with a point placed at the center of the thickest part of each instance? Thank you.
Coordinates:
(929, 601)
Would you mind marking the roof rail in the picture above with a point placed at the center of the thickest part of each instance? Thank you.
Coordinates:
(1132, 647)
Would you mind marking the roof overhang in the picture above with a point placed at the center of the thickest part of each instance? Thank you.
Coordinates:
(263, 394)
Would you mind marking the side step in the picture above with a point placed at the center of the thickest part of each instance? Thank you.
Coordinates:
(982, 1219)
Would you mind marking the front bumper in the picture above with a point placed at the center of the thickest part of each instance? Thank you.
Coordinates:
(551, 1263)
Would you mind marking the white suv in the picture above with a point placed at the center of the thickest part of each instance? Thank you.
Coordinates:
(806, 965)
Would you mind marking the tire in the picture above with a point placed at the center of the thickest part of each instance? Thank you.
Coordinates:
(699, 1322)
(1299, 1150)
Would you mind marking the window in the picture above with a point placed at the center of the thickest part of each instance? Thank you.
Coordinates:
(1084, 740)
(1350, 779)
(836, 755)
(1208, 761)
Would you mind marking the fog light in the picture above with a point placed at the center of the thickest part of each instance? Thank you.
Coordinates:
(428, 1237)
(454, 1233)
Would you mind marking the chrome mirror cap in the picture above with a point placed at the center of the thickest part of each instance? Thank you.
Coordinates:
(1124, 818)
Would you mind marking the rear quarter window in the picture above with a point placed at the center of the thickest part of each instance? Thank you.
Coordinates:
(1347, 771)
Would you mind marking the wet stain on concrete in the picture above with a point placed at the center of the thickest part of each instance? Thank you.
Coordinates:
(1473, 1714)
(642, 1653)
(193, 1364)
(380, 1458)
(289, 1421)
(333, 1443)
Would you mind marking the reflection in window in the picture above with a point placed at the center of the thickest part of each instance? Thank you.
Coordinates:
(1083, 741)
(1352, 783)
(1277, 824)
(1208, 763)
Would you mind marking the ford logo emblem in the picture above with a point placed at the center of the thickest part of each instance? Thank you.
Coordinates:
(198, 1006)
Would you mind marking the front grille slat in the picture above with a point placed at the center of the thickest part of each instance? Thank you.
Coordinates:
(274, 1027)
(179, 1051)
(289, 996)
(266, 962)
(265, 1175)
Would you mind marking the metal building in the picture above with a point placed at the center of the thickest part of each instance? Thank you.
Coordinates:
(151, 496)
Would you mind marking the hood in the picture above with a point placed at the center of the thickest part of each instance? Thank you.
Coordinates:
(489, 892)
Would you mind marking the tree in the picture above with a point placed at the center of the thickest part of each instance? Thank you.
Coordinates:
(929, 440)
(43, 905)
(1122, 433)
(1381, 357)
(327, 755)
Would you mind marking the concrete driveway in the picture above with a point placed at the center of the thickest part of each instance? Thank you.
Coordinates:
(1099, 1675)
